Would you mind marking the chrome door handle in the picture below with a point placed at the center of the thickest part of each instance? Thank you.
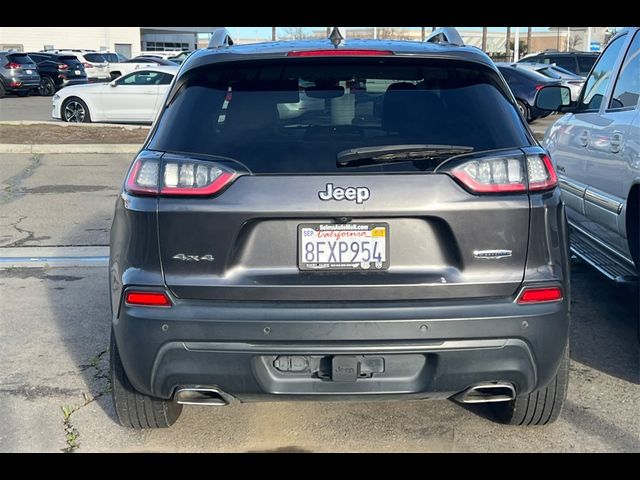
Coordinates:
(583, 139)
(615, 144)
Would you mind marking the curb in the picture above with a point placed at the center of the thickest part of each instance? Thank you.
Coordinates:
(70, 148)
(60, 123)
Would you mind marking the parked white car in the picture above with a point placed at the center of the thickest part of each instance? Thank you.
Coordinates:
(134, 98)
(95, 65)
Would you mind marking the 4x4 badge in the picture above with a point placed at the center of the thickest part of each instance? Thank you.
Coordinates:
(359, 194)
(193, 258)
(492, 254)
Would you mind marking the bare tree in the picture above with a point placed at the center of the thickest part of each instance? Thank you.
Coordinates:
(484, 38)
(297, 33)
(574, 42)
(393, 33)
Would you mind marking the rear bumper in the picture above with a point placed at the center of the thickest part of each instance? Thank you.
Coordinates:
(429, 350)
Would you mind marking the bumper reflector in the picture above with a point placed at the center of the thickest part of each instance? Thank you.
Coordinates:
(148, 299)
(539, 295)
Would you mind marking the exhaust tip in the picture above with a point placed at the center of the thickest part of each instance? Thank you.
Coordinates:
(202, 396)
(487, 393)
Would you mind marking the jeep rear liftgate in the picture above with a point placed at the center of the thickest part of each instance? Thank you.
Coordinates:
(249, 242)
(340, 179)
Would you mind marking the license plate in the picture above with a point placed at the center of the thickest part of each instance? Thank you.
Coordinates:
(349, 246)
(29, 72)
(77, 72)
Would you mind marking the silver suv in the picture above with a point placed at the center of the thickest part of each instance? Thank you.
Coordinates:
(596, 151)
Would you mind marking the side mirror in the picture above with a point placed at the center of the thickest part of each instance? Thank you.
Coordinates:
(553, 98)
(113, 83)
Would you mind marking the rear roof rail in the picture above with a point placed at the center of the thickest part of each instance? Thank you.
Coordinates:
(220, 38)
(445, 35)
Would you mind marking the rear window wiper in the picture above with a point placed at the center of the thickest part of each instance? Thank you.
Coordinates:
(379, 155)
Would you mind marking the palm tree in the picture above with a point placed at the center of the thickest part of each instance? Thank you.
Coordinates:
(273, 33)
(422, 33)
(484, 38)
(508, 42)
(529, 39)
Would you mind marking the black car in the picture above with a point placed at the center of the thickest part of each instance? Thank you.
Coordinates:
(58, 71)
(579, 63)
(341, 251)
(18, 74)
(525, 84)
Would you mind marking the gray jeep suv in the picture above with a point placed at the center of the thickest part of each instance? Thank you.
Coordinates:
(399, 235)
(596, 150)
(18, 74)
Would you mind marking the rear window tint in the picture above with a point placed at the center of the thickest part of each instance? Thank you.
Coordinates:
(94, 57)
(567, 61)
(110, 57)
(69, 58)
(20, 59)
(295, 116)
(585, 63)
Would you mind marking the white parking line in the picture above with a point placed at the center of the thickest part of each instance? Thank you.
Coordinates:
(38, 257)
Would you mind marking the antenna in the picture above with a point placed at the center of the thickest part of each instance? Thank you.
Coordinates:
(336, 37)
(220, 38)
(446, 35)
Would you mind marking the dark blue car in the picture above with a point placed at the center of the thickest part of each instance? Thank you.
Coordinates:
(524, 84)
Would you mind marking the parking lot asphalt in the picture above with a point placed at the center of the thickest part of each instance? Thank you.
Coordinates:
(54, 330)
(33, 107)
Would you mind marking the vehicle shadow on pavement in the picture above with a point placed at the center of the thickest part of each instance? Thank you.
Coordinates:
(605, 324)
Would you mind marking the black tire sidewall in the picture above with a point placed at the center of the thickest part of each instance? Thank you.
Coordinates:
(48, 88)
(526, 110)
(2, 90)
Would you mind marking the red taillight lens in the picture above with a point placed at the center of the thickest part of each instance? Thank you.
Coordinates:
(148, 299)
(87, 65)
(542, 175)
(338, 52)
(12, 65)
(540, 295)
(492, 175)
(177, 176)
(538, 87)
(63, 66)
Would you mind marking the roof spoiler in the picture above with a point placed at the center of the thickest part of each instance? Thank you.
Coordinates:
(220, 38)
(446, 35)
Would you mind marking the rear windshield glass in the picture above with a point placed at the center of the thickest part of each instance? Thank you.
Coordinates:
(20, 59)
(585, 63)
(94, 57)
(295, 116)
(68, 58)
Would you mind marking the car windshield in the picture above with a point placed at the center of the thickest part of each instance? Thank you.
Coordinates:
(295, 116)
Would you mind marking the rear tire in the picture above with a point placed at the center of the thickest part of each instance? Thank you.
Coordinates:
(47, 87)
(540, 407)
(2, 90)
(134, 409)
(23, 94)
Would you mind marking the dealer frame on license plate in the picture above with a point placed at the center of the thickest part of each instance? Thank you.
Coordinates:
(330, 246)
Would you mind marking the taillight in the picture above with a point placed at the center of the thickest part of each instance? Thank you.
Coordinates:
(148, 299)
(87, 65)
(12, 65)
(63, 66)
(540, 295)
(538, 87)
(492, 174)
(506, 174)
(542, 175)
(177, 176)
(337, 52)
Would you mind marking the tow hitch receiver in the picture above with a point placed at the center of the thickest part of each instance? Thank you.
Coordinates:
(337, 368)
(344, 368)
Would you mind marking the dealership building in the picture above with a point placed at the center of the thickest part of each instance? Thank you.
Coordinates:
(129, 41)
